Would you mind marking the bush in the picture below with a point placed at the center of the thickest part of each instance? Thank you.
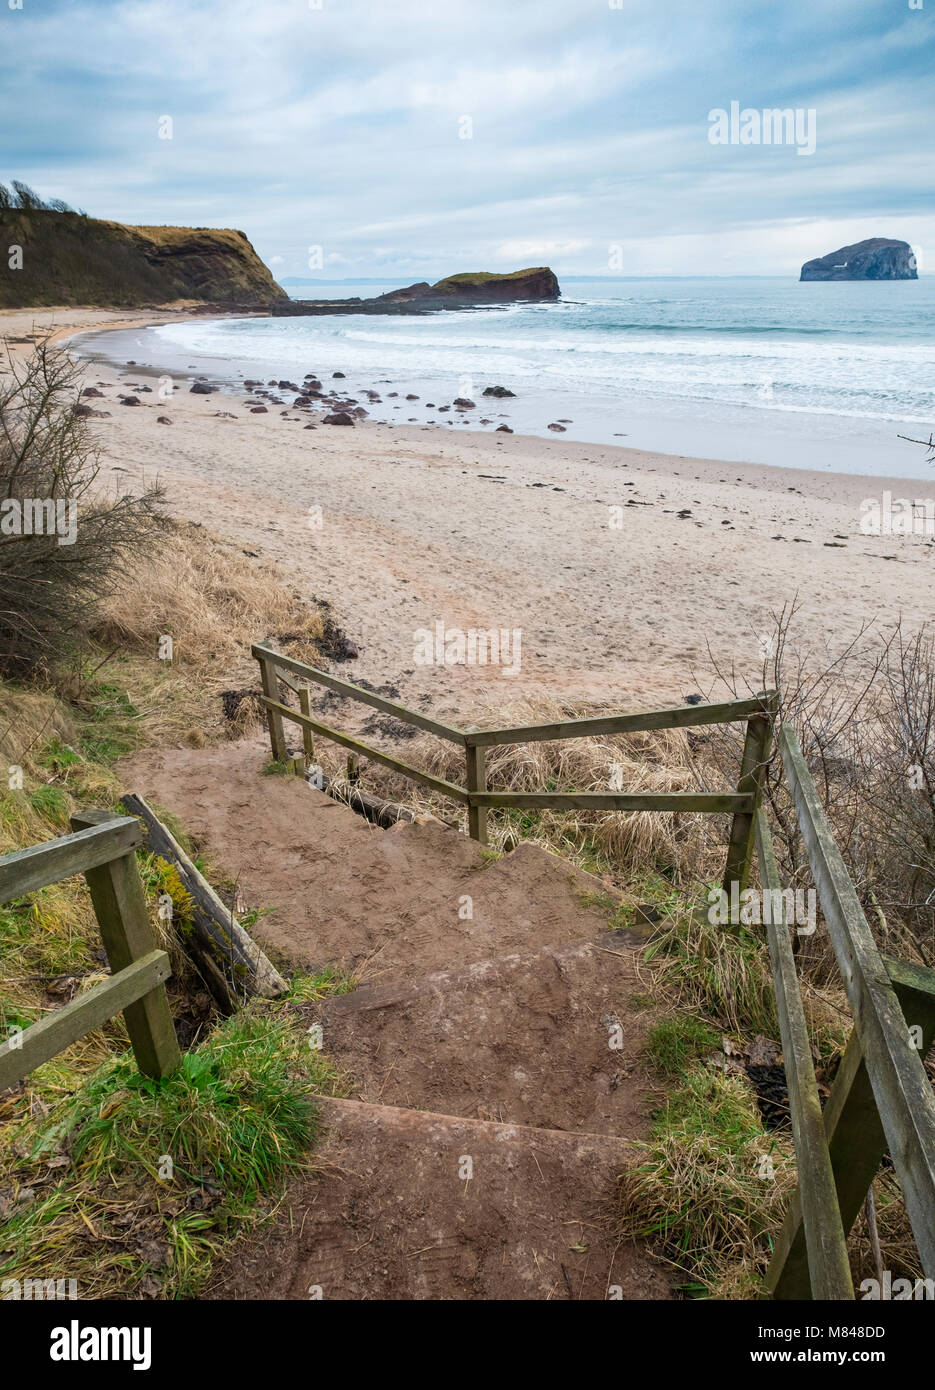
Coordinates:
(64, 542)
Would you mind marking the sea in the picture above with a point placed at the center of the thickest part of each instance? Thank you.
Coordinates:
(824, 376)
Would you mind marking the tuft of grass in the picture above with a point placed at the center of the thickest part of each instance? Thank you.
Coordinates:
(721, 972)
(330, 980)
(157, 1174)
(52, 803)
(677, 1042)
(712, 1185)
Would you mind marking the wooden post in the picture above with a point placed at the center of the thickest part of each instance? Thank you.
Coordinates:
(353, 768)
(120, 907)
(308, 738)
(756, 747)
(277, 736)
(476, 782)
(856, 1140)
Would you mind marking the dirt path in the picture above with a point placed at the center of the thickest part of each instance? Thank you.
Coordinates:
(493, 1045)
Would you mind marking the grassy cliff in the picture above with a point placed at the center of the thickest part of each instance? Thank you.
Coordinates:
(68, 258)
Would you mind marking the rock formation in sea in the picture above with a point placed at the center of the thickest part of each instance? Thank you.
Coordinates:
(878, 258)
(471, 289)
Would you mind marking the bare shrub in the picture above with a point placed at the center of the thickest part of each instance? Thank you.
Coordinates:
(865, 719)
(65, 542)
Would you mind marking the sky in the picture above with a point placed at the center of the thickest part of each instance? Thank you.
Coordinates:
(410, 139)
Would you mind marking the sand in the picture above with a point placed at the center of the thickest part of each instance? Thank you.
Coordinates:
(624, 571)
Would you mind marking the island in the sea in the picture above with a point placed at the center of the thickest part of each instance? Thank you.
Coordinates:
(471, 289)
(877, 258)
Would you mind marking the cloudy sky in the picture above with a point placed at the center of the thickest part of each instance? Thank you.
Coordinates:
(341, 124)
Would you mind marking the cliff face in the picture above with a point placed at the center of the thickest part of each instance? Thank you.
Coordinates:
(878, 258)
(463, 291)
(71, 259)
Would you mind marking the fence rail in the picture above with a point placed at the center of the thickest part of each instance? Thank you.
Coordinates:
(102, 848)
(475, 794)
(881, 1099)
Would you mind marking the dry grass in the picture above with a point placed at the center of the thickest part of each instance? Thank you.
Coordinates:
(213, 601)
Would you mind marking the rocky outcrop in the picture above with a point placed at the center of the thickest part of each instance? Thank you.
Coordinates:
(68, 258)
(473, 289)
(878, 258)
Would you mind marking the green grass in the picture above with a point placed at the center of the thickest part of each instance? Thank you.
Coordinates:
(677, 1042)
(482, 277)
(330, 980)
(188, 1159)
(53, 803)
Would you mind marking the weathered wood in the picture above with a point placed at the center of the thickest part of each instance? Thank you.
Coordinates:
(26, 870)
(265, 654)
(476, 781)
(679, 717)
(120, 907)
(244, 967)
(618, 801)
(277, 735)
(901, 1088)
(308, 742)
(356, 745)
(855, 1135)
(756, 746)
(353, 768)
(826, 1244)
(21, 1055)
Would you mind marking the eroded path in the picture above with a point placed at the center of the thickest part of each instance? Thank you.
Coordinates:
(490, 1113)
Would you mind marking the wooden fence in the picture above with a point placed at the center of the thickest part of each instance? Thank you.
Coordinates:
(881, 1101)
(103, 849)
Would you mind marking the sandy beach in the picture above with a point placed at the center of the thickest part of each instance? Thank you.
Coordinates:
(619, 568)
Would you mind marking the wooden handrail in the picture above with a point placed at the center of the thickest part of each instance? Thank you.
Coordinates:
(902, 1091)
(357, 745)
(41, 1041)
(26, 870)
(357, 692)
(102, 848)
(712, 802)
(677, 717)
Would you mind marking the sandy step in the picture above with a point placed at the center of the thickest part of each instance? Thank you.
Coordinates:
(381, 902)
(547, 1038)
(391, 1216)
